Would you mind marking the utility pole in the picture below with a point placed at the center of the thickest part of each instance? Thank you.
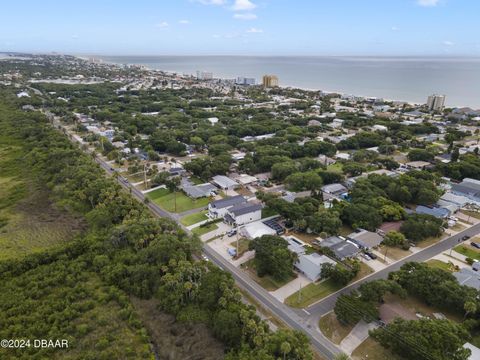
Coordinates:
(145, 175)
(236, 227)
(385, 256)
(299, 294)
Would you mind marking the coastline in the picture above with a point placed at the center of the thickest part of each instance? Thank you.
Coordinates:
(107, 60)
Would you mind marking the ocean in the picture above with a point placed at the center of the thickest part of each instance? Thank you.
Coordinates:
(409, 79)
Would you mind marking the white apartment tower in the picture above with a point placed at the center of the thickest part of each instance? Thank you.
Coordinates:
(436, 102)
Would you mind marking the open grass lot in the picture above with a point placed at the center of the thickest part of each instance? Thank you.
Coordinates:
(333, 329)
(431, 240)
(267, 282)
(194, 218)
(242, 246)
(371, 350)
(394, 253)
(166, 200)
(312, 293)
(468, 251)
(202, 230)
(434, 263)
(317, 291)
(29, 220)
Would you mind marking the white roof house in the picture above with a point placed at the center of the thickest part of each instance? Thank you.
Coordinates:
(311, 265)
(213, 120)
(224, 182)
(256, 229)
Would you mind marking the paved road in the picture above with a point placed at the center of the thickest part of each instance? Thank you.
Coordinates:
(306, 320)
(322, 307)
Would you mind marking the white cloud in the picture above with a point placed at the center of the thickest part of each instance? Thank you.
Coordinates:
(210, 2)
(448, 43)
(254, 30)
(394, 28)
(247, 16)
(428, 3)
(184, 22)
(241, 5)
(163, 24)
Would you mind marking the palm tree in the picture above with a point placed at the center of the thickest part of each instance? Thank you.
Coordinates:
(285, 348)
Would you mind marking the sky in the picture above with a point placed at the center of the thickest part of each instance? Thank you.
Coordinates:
(243, 27)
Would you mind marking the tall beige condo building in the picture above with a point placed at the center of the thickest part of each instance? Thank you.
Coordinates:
(270, 81)
(436, 102)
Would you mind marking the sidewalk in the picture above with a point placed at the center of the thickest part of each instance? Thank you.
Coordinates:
(292, 287)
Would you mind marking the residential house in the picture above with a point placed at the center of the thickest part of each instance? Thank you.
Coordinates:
(308, 264)
(224, 182)
(437, 211)
(243, 213)
(336, 189)
(365, 239)
(343, 249)
(198, 191)
(469, 188)
(468, 277)
(218, 208)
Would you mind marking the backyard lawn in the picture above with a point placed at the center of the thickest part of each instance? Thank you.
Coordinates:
(166, 200)
(194, 218)
(468, 251)
(335, 167)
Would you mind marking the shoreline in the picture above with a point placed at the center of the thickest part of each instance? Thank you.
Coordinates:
(341, 93)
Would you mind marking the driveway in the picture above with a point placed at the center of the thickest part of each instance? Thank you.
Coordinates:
(292, 287)
(358, 335)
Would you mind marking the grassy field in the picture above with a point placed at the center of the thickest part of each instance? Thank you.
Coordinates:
(202, 230)
(333, 329)
(440, 265)
(468, 251)
(394, 253)
(337, 167)
(312, 293)
(194, 218)
(267, 282)
(166, 200)
(29, 220)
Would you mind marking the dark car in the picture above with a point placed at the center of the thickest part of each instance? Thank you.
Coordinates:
(466, 237)
(372, 255)
(475, 244)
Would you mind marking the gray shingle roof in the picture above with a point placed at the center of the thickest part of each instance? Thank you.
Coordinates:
(227, 202)
(244, 208)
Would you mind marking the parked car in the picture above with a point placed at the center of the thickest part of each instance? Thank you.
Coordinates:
(366, 257)
(466, 237)
(372, 255)
(475, 244)
(232, 233)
